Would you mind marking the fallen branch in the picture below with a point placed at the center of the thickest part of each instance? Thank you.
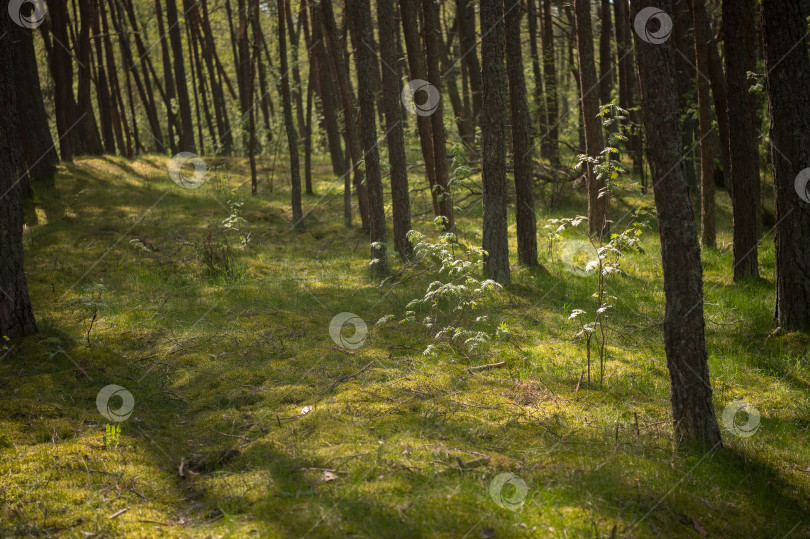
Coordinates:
(487, 366)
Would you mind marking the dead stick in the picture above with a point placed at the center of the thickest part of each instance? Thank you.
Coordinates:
(487, 366)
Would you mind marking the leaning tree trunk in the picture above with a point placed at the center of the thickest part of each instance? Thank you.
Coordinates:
(707, 232)
(16, 315)
(292, 136)
(588, 84)
(744, 183)
(358, 12)
(35, 134)
(493, 133)
(788, 81)
(521, 138)
(395, 137)
(684, 339)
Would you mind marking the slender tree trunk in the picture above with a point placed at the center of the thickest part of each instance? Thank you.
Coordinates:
(550, 136)
(493, 132)
(707, 233)
(16, 314)
(521, 138)
(103, 97)
(308, 136)
(466, 27)
(788, 82)
(395, 137)
(597, 206)
(744, 183)
(358, 13)
(186, 143)
(34, 132)
(225, 137)
(324, 20)
(416, 65)
(433, 47)
(292, 136)
(684, 339)
(534, 51)
(62, 72)
(90, 140)
(627, 83)
(168, 80)
(719, 95)
(605, 54)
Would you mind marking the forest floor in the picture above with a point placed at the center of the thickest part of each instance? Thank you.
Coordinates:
(249, 419)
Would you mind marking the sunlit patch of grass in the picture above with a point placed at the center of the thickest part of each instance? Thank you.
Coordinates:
(279, 432)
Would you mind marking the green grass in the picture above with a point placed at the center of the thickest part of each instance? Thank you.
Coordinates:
(221, 364)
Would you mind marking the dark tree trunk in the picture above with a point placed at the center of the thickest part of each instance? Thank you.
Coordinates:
(551, 134)
(225, 138)
(358, 13)
(597, 206)
(433, 51)
(707, 232)
(521, 138)
(34, 132)
(400, 202)
(292, 136)
(719, 95)
(16, 315)
(119, 117)
(605, 54)
(187, 132)
(466, 26)
(296, 88)
(539, 105)
(326, 15)
(62, 73)
(416, 65)
(90, 140)
(103, 97)
(168, 80)
(685, 70)
(684, 339)
(493, 132)
(744, 183)
(627, 82)
(788, 81)
(308, 135)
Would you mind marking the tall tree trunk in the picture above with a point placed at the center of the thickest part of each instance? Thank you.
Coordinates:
(534, 51)
(605, 54)
(323, 20)
(308, 136)
(719, 95)
(550, 136)
(186, 143)
(433, 48)
(103, 97)
(788, 82)
(90, 140)
(744, 183)
(493, 132)
(521, 138)
(62, 72)
(686, 74)
(225, 137)
(34, 132)
(466, 25)
(627, 82)
(395, 137)
(707, 232)
(16, 315)
(416, 65)
(168, 80)
(292, 136)
(684, 339)
(358, 13)
(597, 206)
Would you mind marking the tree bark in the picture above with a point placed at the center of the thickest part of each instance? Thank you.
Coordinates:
(605, 54)
(597, 206)
(744, 183)
(493, 75)
(186, 143)
(534, 51)
(521, 138)
(707, 231)
(292, 136)
(395, 137)
(433, 51)
(684, 339)
(551, 134)
(788, 83)
(466, 26)
(358, 13)
(16, 314)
